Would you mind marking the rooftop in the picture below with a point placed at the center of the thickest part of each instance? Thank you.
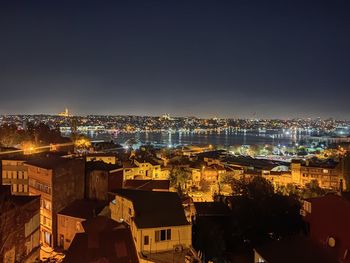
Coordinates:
(147, 184)
(294, 249)
(48, 161)
(13, 201)
(211, 209)
(100, 165)
(83, 208)
(104, 240)
(155, 209)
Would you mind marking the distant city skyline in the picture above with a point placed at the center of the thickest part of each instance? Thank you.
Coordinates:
(254, 116)
(237, 59)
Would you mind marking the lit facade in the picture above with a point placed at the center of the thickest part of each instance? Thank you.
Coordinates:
(57, 185)
(15, 173)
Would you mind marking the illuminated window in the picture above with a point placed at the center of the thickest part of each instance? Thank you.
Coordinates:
(307, 206)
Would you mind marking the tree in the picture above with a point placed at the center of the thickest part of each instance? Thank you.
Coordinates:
(178, 176)
(205, 185)
(255, 188)
(9, 135)
(313, 189)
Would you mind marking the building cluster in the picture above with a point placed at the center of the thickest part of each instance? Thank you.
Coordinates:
(124, 207)
(119, 210)
(166, 122)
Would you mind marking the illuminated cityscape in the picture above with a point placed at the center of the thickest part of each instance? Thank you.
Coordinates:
(175, 132)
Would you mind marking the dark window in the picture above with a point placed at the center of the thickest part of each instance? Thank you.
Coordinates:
(168, 234)
(162, 235)
(146, 240)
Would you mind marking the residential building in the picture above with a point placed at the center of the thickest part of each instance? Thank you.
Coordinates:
(328, 173)
(102, 240)
(144, 169)
(157, 222)
(58, 181)
(69, 219)
(101, 178)
(327, 220)
(212, 173)
(292, 250)
(15, 173)
(19, 227)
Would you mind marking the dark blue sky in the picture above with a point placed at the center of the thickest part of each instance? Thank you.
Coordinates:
(236, 58)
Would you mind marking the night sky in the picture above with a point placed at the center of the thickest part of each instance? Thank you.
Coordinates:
(237, 58)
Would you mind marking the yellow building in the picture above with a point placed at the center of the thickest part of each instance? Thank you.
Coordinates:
(156, 219)
(196, 176)
(138, 169)
(69, 220)
(15, 173)
(59, 181)
(328, 174)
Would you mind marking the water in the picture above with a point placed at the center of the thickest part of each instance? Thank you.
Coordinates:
(227, 138)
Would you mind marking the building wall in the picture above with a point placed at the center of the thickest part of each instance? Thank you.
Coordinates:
(67, 227)
(180, 236)
(329, 178)
(40, 183)
(20, 230)
(145, 171)
(58, 187)
(100, 182)
(122, 208)
(68, 185)
(15, 173)
(258, 258)
(97, 185)
(282, 179)
(327, 217)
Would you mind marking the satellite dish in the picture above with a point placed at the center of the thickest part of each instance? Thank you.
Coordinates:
(331, 242)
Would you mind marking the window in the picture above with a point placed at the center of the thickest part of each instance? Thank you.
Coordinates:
(168, 234)
(14, 188)
(162, 235)
(61, 241)
(20, 175)
(146, 240)
(307, 206)
(39, 186)
(46, 204)
(47, 238)
(20, 188)
(25, 175)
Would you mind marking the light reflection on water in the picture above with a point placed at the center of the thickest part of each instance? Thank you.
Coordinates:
(205, 138)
